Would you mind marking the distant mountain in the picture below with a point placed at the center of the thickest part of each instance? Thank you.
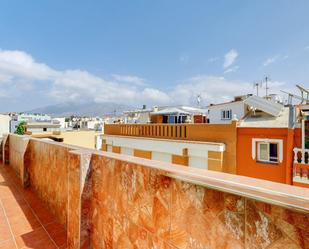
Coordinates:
(85, 109)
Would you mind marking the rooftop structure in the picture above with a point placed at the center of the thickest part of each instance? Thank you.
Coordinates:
(107, 200)
(241, 107)
(82, 138)
(5, 120)
(301, 150)
(191, 143)
(32, 117)
(266, 142)
(42, 127)
(262, 104)
(261, 118)
(164, 114)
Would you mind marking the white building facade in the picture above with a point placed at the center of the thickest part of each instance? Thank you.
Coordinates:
(4, 124)
(225, 112)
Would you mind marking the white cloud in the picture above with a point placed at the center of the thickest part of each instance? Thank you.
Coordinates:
(231, 69)
(20, 64)
(155, 95)
(274, 59)
(229, 58)
(214, 89)
(130, 79)
(20, 72)
(270, 60)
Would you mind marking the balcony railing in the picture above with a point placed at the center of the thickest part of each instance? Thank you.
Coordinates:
(301, 165)
(172, 131)
(301, 171)
(301, 156)
(157, 130)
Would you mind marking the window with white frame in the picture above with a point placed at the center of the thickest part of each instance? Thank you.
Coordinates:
(267, 152)
(226, 114)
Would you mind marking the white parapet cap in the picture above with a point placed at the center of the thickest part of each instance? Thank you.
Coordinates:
(195, 148)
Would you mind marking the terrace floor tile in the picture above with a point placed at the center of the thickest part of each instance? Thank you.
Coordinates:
(24, 220)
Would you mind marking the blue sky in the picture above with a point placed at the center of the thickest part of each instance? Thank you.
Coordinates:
(154, 52)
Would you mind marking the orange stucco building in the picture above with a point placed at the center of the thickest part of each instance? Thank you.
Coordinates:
(274, 148)
(250, 165)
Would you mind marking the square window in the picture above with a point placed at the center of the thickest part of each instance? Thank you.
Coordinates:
(226, 114)
(268, 152)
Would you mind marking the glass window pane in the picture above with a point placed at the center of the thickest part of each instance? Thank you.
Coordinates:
(263, 152)
(273, 152)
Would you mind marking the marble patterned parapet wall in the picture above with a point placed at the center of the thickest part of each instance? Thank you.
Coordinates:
(17, 148)
(47, 168)
(134, 206)
(108, 200)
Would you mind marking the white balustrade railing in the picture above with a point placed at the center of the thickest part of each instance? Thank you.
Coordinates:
(301, 165)
(301, 155)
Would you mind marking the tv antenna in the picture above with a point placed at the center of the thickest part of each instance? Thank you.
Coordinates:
(291, 96)
(257, 85)
(304, 93)
(266, 79)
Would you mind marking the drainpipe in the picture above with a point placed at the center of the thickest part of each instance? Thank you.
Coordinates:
(291, 116)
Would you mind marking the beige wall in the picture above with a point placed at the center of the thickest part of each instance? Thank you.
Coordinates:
(193, 154)
(78, 138)
(223, 133)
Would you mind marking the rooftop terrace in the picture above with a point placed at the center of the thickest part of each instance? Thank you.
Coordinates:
(106, 200)
(24, 221)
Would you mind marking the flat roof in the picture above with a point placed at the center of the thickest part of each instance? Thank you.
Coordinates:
(42, 125)
(171, 111)
(224, 103)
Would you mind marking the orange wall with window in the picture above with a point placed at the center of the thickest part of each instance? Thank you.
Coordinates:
(247, 166)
